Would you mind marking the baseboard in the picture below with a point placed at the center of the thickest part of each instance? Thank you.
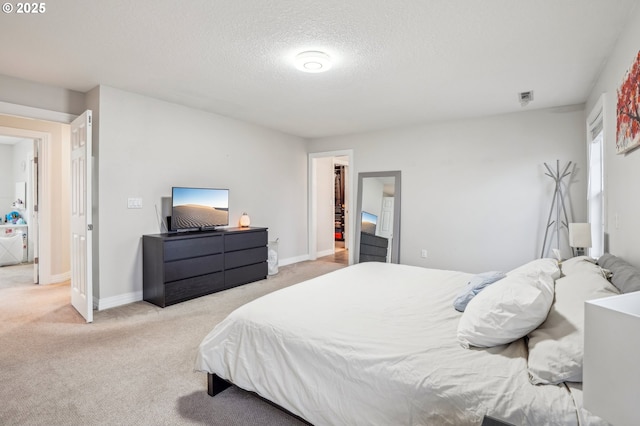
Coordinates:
(292, 260)
(325, 253)
(123, 299)
(54, 279)
(114, 301)
(60, 278)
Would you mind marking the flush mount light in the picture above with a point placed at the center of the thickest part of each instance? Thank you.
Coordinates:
(313, 61)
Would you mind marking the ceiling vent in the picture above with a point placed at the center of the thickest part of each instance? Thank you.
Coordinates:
(525, 97)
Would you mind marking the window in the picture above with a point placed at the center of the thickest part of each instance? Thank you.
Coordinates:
(595, 190)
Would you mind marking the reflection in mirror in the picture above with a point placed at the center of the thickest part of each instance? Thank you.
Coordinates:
(378, 217)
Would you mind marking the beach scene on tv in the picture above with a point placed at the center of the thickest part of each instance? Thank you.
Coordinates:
(199, 208)
(369, 222)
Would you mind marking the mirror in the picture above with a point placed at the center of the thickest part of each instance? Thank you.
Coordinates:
(378, 217)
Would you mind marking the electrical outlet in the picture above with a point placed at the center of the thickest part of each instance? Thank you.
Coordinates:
(424, 253)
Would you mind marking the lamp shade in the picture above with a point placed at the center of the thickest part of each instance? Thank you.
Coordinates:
(611, 371)
(580, 234)
(245, 220)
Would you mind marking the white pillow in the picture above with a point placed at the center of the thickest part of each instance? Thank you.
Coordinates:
(557, 346)
(506, 310)
(580, 264)
(546, 265)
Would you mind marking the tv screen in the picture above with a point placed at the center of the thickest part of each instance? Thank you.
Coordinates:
(369, 222)
(199, 208)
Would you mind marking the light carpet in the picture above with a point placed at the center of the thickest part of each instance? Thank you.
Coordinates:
(132, 365)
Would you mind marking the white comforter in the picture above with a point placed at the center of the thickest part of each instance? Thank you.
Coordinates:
(375, 344)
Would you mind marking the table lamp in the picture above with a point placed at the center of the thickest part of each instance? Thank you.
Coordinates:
(580, 237)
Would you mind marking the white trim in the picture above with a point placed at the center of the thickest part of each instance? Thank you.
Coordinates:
(136, 296)
(59, 278)
(312, 222)
(328, 252)
(597, 113)
(292, 260)
(35, 113)
(115, 301)
(45, 227)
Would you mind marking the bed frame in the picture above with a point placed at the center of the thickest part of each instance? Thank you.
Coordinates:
(215, 385)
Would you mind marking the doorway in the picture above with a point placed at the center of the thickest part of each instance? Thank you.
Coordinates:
(17, 202)
(46, 198)
(330, 204)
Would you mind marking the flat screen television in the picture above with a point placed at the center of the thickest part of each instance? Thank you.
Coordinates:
(369, 222)
(198, 208)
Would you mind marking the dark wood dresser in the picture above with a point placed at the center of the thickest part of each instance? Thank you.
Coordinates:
(182, 266)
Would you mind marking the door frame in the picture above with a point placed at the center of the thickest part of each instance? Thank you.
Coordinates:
(43, 233)
(44, 184)
(313, 202)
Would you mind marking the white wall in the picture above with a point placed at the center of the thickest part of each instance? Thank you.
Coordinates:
(22, 156)
(372, 192)
(474, 192)
(7, 187)
(36, 95)
(146, 146)
(622, 172)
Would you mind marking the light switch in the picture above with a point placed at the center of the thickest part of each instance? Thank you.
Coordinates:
(134, 203)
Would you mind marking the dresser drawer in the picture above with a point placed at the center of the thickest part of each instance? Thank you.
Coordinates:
(186, 248)
(244, 240)
(245, 274)
(189, 288)
(245, 257)
(186, 268)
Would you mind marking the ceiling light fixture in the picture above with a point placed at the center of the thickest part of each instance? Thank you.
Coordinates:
(313, 61)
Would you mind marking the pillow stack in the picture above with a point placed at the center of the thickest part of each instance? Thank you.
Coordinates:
(511, 307)
(556, 347)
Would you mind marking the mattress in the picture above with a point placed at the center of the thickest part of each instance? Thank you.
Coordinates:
(375, 344)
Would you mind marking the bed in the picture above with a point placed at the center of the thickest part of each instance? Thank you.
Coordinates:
(382, 344)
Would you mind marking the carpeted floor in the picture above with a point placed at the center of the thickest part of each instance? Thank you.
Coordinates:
(133, 365)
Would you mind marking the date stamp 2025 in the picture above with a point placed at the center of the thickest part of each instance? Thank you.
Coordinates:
(24, 8)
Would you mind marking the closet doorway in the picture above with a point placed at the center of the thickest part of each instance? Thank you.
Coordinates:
(330, 204)
(340, 209)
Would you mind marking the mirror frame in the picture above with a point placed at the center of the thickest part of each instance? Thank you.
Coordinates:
(395, 242)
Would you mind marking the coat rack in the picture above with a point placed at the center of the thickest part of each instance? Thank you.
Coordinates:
(557, 203)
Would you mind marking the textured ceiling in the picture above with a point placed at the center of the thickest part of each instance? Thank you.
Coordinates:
(396, 62)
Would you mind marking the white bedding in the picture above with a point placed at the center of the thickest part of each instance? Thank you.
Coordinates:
(375, 344)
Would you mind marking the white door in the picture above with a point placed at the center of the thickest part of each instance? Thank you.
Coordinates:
(81, 223)
(386, 223)
(33, 223)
